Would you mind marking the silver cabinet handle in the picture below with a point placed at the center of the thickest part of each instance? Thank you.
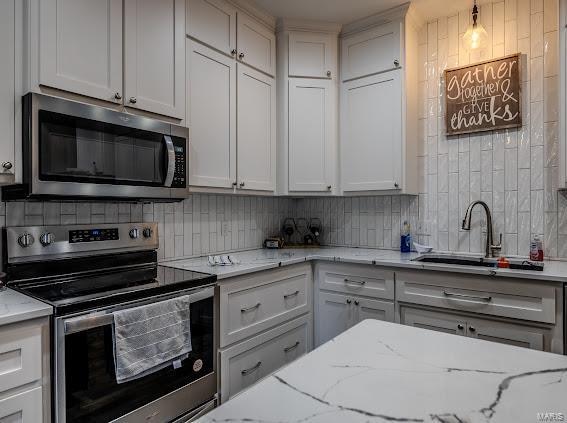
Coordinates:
(251, 369)
(329, 187)
(396, 63)
(133, 100)
(247, 309)
(328, 73)
(472, 329)
(356, 302)
(292, 347)
(460, 327)
(242, 185)
(471, 297)
(118, 96)
(241, 56)
(396, 185)
(356, 282)
(233, 52)
(293, 294)
(348, 301)
(234, 184)
(7, 165)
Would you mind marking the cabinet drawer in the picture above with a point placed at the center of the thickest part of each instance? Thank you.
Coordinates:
(360, 280)
(25, 407)
(255, 303)
(247, 362)
(371, 51)
(20, 355)
(513, 298)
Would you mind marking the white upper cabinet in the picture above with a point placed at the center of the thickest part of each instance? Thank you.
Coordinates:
(154, 56)
(256, 155)
(312, 55)
(7, 90)
(311, 126)
(371, 137)
(80, 46)
(211, 117)
(372, 51)
(256, 44)
(213, 22)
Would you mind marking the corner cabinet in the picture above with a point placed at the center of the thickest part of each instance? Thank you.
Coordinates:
(231, 99)
(307, 108)
(378, 115)
(130, 53)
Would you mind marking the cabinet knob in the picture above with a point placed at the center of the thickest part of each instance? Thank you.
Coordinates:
(329, 187)
(396, 185)
(356, 302)
(396, 63)
(241, 56)
(133, 100)
(348, 301)
(328, 73)
(241, 184)
(117, 96)
(234, 183)
(7, 165)
(472, 329)
(460, 327)
(233, 52)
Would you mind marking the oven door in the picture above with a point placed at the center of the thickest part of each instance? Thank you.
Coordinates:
(83, 150)
(84, 375)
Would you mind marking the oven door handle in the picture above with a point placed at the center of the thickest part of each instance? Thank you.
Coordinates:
(170, 160)
(95, 320)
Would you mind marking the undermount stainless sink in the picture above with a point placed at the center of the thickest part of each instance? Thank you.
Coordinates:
(466, 260)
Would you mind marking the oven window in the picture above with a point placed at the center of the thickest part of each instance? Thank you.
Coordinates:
(92, 394)
(73, 149)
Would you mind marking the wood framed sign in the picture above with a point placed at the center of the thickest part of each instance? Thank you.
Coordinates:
(484, 96)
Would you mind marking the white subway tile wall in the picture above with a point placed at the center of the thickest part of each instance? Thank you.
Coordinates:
(200, 225)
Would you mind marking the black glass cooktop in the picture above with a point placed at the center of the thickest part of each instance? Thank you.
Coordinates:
(89, 287)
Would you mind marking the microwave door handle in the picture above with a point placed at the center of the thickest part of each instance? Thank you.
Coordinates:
(170, 160)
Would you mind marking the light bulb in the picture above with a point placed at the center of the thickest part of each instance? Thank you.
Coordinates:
(476, 37)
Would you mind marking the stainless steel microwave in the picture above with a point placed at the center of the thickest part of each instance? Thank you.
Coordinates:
(75, 150)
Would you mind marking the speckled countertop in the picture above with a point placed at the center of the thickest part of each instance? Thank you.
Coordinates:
(263, 259)
(17, 307)
(385, 372)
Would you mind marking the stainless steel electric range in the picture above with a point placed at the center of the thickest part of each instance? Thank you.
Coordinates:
(87, 272)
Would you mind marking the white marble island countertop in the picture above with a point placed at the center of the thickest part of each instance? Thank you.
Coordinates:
(264, 259)
(384, 372)
(17, 307)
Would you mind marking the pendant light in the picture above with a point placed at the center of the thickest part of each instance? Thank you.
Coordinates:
(476, 37)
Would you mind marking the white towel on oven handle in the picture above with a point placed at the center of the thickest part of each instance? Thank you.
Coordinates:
(150, 337)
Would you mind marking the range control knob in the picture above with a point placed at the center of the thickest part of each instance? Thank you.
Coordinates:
(46, 239)
(134, 233)
(26, 240)
(147, 232)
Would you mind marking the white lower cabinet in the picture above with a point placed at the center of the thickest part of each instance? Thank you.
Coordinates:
(519, 335)
(247, 362)
(25, 407)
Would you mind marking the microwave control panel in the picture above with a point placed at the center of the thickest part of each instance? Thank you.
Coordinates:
(179, 176)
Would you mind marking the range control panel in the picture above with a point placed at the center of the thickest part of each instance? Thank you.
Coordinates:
(90, 235)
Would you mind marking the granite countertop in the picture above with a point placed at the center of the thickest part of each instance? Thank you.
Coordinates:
(263, 259)
(385, 372)
(17, 307)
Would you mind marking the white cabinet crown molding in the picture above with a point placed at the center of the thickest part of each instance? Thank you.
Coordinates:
(255, 12)
(396, 13)
(284, 24)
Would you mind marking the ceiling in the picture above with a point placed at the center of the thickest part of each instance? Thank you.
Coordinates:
(345, 11)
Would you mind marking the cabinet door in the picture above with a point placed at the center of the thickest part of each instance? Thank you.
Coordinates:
(334, 315)
(311, 135)
(256, 44)
(7, 90)
(154, 56)
(373, 309)
(506, 333)
(312, 55)
(372, 51)
(211, 117)
(256, 130)
(433, 320)
(371, 137)
(22, 408)
(212, 22)
(80, 46)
